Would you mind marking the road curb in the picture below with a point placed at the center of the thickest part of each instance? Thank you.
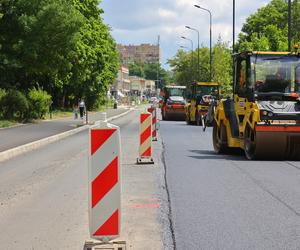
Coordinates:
(11, 153)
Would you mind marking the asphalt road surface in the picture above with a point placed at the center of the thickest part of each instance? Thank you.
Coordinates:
(43, 196)
(226, 202)
(216, 201)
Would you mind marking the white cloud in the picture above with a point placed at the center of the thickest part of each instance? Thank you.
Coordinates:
(166, 13)
(137, 21)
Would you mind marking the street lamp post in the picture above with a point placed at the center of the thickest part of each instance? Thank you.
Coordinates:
(192, 44)
(210, 36)
(188, 27)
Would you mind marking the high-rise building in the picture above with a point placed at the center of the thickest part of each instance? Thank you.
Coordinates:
(144, 53)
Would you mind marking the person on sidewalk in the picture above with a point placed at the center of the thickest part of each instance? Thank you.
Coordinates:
(81, 108)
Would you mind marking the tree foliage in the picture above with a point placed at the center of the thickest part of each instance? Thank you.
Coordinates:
(61, 46)
(184, 66)
(267, 29)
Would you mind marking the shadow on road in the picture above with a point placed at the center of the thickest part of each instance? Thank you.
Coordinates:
(235, 154)
(205, 152)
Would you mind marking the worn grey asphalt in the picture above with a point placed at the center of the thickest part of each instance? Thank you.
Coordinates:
(17, 136)
(224, 202)
(43, 196)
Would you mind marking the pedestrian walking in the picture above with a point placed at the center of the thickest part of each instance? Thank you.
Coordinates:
(81, 108)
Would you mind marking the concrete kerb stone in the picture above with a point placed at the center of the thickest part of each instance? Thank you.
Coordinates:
(11, 153)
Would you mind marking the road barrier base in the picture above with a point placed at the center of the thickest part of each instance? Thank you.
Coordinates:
(95, 245)
(140, 161)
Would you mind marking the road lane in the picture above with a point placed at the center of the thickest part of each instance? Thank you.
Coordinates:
(225, 201)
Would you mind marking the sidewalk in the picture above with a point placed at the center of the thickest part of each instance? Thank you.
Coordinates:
(17, 136)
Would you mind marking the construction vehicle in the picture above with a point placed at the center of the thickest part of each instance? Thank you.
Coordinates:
(201, 95)
(173, 102)
(263, 116)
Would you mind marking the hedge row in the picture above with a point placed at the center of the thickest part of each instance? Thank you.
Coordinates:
(16, 105)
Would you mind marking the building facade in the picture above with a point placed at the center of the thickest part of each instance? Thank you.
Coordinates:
(144, 53)
(122, 83)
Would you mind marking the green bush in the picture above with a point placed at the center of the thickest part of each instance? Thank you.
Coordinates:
(40, 102)
(14, 105)
(2, 94)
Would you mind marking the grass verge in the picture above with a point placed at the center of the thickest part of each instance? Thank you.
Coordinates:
(7, 124)
(60, 114)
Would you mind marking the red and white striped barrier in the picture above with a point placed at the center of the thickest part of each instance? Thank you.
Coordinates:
(152, 110)
(104, 183)
(145, 147)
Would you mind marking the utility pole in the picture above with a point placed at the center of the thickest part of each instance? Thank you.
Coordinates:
(233, 45)
(233, 26)
(289, 25)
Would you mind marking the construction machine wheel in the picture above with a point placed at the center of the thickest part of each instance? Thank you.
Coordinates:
(166, 116)
(250, 143)
(163, 114)
(188, 118)
(220, 138)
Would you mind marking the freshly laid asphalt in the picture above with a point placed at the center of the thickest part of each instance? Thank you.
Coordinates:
(225, 201)
(17, 136)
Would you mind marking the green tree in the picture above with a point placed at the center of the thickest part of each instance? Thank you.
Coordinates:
(96, 59)
(222, 66)
(62, 46)
(185, 70)
(267, 29)
(136, 69)
(37, 38)
(182, 66)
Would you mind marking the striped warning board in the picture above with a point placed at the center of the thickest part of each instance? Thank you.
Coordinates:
(145, 147)
(152, 110)
(104, 183)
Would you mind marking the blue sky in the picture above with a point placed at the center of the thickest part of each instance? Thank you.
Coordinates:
(141, 21)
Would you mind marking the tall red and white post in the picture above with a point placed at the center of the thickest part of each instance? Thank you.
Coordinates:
(152, 110)
(145, 147)
(104, 182)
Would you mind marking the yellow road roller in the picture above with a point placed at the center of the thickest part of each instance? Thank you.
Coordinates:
(201, 96)
(263, 115)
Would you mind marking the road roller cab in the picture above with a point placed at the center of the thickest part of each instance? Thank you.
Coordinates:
(173, 102)
(201, 95)
(263, 116)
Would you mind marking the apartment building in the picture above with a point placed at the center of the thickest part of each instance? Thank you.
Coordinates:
(144, 53)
